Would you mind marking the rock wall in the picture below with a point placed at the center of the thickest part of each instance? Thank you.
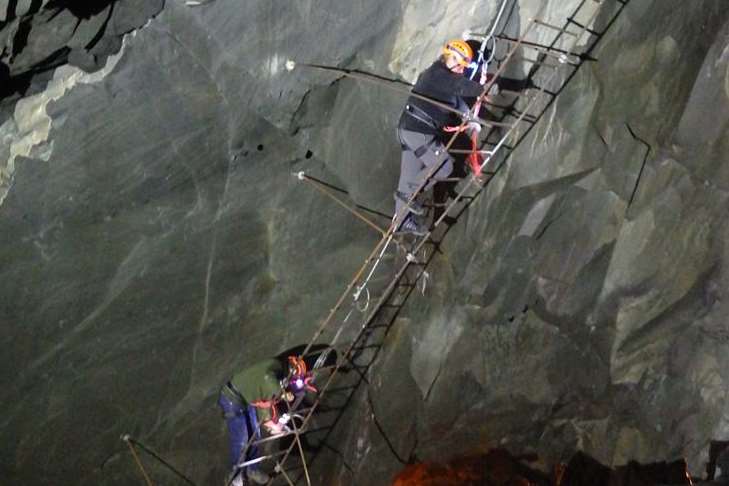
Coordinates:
(579, 303)
(154, 240)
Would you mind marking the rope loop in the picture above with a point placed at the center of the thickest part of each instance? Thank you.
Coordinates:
(424, 279)
(367, 301)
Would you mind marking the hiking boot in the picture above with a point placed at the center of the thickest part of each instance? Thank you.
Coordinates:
(413, 207)
(410, 226)
(257, 476)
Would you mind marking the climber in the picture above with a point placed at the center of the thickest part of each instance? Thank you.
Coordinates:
(420, 130)
(251, 398)
(258, 395)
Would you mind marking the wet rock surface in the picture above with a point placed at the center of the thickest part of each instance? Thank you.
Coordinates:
(153, 239)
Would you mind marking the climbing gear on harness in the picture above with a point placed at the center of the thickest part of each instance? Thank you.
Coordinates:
(460, 50)
(475, 159)
(269, 405)
(422, 149)
(420, 115)
(232, 392)
(414, 207)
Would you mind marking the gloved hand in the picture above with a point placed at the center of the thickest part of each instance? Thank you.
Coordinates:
(273, 428)
(473, 127)
(494, 90)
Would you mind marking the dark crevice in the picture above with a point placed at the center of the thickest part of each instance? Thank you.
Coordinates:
(21, 37)
(10, 15)
(602, 139)
(649, 148)
(100, 34)
(413, 457)
(20, 82)
(547, 225)
(432, 383)
(382, 431)
(341, 457)
(35, 6)
(75, 27)
(81, 10)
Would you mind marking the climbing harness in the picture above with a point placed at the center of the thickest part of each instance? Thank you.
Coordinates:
(421, 115)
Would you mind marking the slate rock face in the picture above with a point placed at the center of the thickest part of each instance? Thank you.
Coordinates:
(573, 310)
(153, 239)
(39, 35)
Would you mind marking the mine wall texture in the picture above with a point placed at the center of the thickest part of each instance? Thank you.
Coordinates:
(153, 239)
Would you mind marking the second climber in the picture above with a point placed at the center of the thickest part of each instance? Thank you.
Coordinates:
(421, 127)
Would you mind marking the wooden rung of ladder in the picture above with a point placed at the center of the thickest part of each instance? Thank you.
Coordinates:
(583, 27)
(512, 92)
(535, 61)
(527, 116)
(548, 51)
(554, 27)
(503, 124)
(467, 152)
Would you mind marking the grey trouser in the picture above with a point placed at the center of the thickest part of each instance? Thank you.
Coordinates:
(414, 169)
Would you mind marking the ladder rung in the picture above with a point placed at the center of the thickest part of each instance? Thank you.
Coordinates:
(548, 51)
(590, 31)
(535, 61)
(464, 151)
(554, 27)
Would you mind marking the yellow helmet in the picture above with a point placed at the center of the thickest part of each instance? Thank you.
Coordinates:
(460, 50)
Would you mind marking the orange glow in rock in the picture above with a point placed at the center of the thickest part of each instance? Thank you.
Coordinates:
(497, 468)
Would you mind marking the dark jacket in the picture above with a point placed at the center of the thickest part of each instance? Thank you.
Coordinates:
(441, 84)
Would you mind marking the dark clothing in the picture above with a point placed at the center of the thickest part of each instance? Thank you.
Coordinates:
(242, 425)
(441, 84)
(414, 168)
(261, 381)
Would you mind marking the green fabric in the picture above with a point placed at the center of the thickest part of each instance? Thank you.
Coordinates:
(260, 382)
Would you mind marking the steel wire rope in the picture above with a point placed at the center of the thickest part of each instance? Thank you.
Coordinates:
(147, 479)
